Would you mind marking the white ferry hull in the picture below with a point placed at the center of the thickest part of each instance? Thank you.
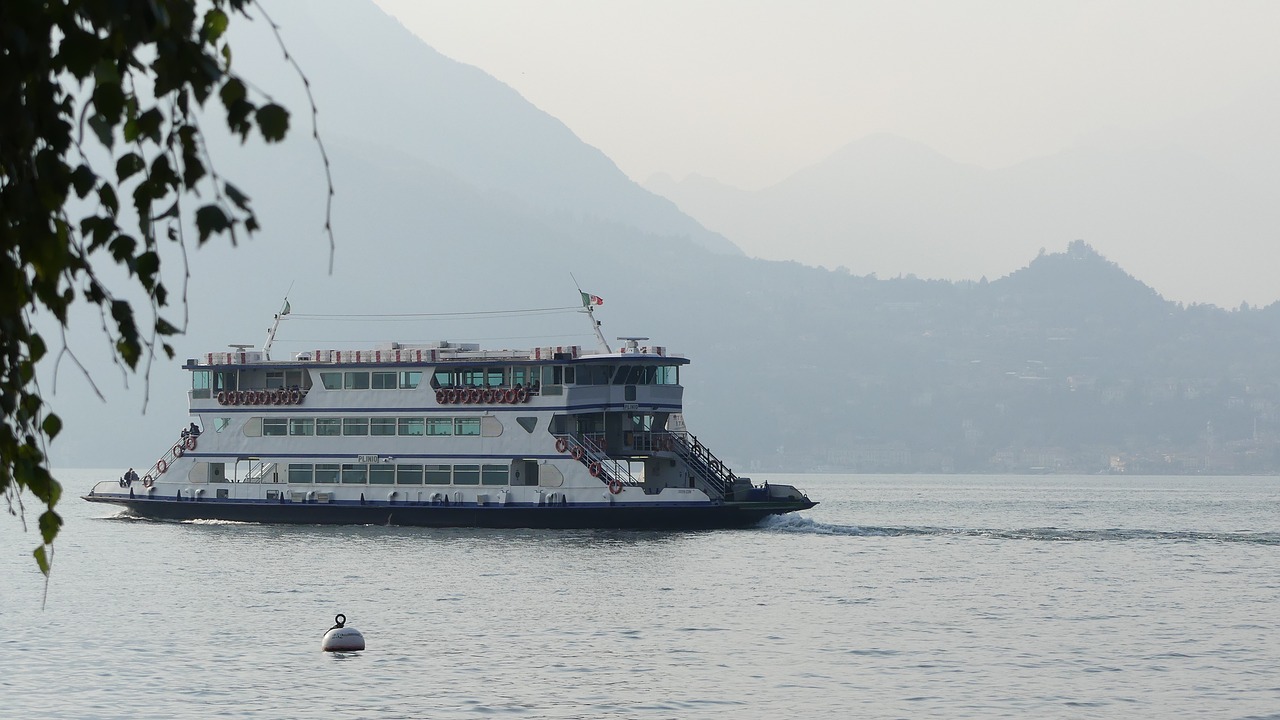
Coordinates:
(602, 515)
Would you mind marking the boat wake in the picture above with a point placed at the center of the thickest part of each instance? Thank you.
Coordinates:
(803, 525)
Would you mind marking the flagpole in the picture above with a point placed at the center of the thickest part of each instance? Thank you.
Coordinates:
(587, 301)
(271, 334)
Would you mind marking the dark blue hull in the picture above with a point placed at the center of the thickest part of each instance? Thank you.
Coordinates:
(647, 516)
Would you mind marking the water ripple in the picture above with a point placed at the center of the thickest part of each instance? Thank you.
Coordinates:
(804, 525)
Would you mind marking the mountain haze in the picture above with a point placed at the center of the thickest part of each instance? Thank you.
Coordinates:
(890, 206)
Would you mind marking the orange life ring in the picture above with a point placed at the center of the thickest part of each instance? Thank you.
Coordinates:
(191, 442)
(473, 395)
(262, 397)
(179, 449)
(161, 466)
(594, 469)
(276, 397)
(232, 399)
(486, 395)
(561, 444)
(522, 395)
(440, 396)
(146, 481)
(576, 452)
(250, 397)
(615, 486)
(509, 396)
(222, 397)
(295, 396)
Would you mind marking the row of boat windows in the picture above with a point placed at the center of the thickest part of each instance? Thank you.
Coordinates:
(387, 474)
(205, 383)
(366, 380)
(492, 377)
(360, 426)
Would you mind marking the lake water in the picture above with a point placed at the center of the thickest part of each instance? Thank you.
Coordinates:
(898, 596)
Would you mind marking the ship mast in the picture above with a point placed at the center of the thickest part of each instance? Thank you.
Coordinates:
(275, 325)
(595, 327)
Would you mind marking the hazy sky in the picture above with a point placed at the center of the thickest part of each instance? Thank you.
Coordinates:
(749, 92)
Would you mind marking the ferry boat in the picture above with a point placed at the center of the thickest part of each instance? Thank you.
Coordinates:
(446, 435)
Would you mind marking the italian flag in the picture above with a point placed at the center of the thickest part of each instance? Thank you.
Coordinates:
(589, 300)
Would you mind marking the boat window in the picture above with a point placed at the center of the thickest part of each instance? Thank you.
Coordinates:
(224, 380)
(326, 473)
(201, 383)
(553, 375)
(275, 426)
(466, 426)
(275, 379)
(382, 426)
(443, 379)
(328, 427)
(594, 375)
(495, 377)
(355, 426)
(621, 376)
(408, 474)
(629, 393)
(302, 426)
(220, 424)
(355, 380)
(410, 379)
(293, 378)
(523, 376)
(410, 426)
(568, 376)
(495, 475)
(439, 474)
(331, 380)
(636, 376)
(439, 426)
(300, 473)
(668, 375)
(354, 474)
(466, 474)
(384, 380)
(528, 423)
(382, 474)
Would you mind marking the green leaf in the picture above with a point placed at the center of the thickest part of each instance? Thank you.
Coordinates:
(211, 219)
(240, 199)
(147, 265)
(232, 92)
(49, 525)
(42, 560)
(107, 196)
(128, 165)
(83, 180)
(273, 121)
(51, 426)
(104, 129)
(215, 24)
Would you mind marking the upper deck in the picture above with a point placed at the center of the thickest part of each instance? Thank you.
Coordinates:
(441, 353)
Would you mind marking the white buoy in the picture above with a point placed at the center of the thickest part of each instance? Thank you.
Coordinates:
(341, 638)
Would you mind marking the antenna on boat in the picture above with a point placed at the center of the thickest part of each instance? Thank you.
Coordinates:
(589, 301)
(271, 334)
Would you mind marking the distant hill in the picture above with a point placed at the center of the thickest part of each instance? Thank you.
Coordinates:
(453, 194)
(891, 206)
